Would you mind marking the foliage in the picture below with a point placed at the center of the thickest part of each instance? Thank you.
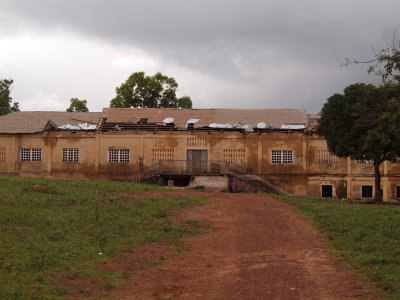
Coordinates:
(77, 105)
(366, 236)
(47, 235)
(363, 123)
(5, 99)
(140, 90)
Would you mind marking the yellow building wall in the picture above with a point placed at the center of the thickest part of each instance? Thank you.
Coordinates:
(305, 176)
(85, 142)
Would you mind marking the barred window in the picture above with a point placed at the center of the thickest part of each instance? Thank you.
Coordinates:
(235, 155)
(70, 155)
(282, 156)
(2, 153)
(31, 154)
(323, 156)
(118, 155)
(196, 142)
(365, 161)
(163, 154)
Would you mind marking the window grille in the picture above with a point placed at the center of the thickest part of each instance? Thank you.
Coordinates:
(282, 156)
(2, 153)
(196, 142)
(163, 154)
(323, 156)
(118, 155)
(70, 155)
(31, 154)
(364, 161)
(235, 155)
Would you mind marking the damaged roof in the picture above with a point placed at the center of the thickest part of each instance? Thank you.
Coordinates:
(274, 117)
(36, 121)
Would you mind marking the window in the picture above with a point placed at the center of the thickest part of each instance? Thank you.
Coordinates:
(163, 154)
(2, 153)
(366, 191)
(196, 142)
(323, 156)
(235, 155)
(70, 155)
(118, 155)
(364, 161)
(282, 156)
(327, 191)
(398, 191)
(31, 154)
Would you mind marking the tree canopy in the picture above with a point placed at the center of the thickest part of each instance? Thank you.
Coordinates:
(77, 105)
(363, 123)
(5, 98)
(157, 91)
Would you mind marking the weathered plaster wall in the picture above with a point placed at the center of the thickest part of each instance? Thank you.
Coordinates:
(305, 176)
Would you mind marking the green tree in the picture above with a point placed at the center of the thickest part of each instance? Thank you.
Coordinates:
(5, 99)
(363, 123)
(77, 105)
(140, 90)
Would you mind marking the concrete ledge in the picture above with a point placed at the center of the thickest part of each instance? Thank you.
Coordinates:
(216, 183)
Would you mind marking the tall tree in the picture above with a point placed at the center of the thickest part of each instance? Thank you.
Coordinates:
(77, 105)
(140, 90)
(5, 98)
(363, 124)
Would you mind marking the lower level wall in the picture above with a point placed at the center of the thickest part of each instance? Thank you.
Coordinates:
(350, 187)
(217, 183)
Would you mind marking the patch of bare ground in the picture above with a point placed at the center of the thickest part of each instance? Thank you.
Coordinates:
(257, 248)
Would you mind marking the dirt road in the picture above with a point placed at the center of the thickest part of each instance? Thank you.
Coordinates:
(257, 248)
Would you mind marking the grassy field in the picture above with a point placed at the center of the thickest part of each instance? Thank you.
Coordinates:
(366, 236)
(65, 230)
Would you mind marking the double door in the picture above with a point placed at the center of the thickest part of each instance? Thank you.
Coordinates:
(197, 161)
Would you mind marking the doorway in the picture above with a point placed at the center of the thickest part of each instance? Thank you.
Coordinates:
(327, 191)
(197, 161)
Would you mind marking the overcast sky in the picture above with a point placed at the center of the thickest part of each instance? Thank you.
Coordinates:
(223, 54)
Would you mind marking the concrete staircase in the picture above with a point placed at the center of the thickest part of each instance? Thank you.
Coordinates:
(229, 169)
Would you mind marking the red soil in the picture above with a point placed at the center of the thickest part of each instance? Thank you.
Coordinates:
(257, 248)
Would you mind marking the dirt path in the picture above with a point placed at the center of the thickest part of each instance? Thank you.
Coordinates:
(258, 248)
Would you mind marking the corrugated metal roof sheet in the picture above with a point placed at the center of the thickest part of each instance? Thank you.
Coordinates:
(35, 121)
(251, 117)
(32, 122)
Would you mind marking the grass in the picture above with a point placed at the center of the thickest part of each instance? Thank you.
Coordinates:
(67, 229)
(366, 236)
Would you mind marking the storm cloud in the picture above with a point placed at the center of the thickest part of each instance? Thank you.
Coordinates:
(239, 54)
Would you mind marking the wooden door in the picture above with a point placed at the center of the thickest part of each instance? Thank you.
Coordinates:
(197, 161)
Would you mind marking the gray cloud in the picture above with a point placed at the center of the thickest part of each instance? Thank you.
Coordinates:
(281, 53)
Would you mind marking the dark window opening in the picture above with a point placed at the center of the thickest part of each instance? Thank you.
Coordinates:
(367, 191)
(327, 191)
(398, 191)
(179, 180)
(142, 121)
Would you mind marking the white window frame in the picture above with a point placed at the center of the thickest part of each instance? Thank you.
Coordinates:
(365, 162)
(119, 155)
(70, 155)
(31, 154)
(282, 156)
